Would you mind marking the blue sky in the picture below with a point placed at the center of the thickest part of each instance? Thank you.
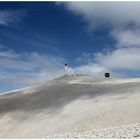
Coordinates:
(95, 37)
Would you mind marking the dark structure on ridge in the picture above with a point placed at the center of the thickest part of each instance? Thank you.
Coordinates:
(107, 75)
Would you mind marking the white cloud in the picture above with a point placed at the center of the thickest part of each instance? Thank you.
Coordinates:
(18, 70)
(90, 69)
(123, 58)
(8, 17)
(123, 20)
(126, 56)
(127, 38)
(106, 13)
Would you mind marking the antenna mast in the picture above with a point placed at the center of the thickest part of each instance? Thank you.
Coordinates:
(66, 67)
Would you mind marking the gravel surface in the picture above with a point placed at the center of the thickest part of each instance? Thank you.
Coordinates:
(124, 131)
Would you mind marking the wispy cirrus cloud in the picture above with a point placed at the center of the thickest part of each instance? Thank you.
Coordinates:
(8, 17)
(24, 69)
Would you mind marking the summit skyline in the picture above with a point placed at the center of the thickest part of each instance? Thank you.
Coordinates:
(95, 37)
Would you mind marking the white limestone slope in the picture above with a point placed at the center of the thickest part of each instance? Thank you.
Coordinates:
(69, 103)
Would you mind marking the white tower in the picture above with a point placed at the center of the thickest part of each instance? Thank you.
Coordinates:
(66, 67)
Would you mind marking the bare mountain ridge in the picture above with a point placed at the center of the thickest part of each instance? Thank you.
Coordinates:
(67, 103)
